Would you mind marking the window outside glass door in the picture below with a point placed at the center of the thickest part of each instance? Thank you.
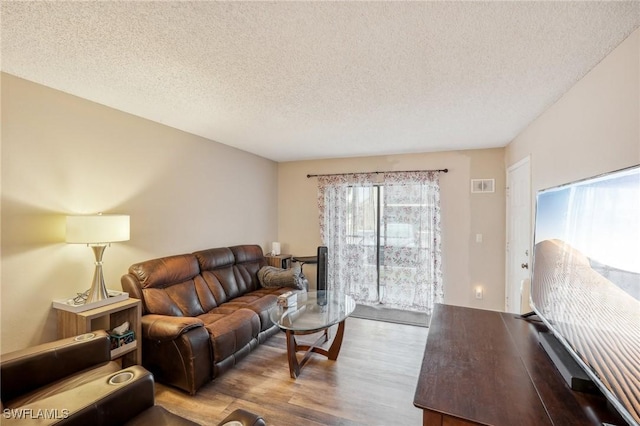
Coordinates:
(379, 224)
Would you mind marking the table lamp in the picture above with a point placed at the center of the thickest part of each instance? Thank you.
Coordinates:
(97, 231)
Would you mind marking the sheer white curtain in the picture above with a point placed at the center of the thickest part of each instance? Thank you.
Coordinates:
(407, 230)
(411, 259)
(348, 256)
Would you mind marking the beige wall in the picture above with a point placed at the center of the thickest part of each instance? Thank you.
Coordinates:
(592, 129)
(465, 262)
(62, 155)
(65, 155)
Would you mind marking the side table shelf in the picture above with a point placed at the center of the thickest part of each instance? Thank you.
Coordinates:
(124, 349)
(106, 318)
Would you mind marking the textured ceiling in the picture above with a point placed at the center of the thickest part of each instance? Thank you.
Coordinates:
(302, 80)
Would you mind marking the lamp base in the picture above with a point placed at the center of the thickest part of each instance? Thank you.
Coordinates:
(98, 290)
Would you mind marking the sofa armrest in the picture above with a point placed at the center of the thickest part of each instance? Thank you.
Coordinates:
(164, 327)
(131, 285)
(52, 361)
(99, 402)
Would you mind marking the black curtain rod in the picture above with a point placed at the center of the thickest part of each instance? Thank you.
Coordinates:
(389, 171)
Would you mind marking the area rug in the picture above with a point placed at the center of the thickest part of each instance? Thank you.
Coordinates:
(380, 313)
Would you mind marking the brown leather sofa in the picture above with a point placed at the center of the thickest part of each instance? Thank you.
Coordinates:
(74, 382)
(66, 376)
(202, 312)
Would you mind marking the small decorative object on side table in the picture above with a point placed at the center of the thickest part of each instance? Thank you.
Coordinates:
(122, 339)
(107, 317)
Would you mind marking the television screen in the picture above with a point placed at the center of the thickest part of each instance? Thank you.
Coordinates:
(586, 279)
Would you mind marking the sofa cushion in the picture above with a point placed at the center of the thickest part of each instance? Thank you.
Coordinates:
(231, 332)
(265, 291)
(261, 307)
(258, 301)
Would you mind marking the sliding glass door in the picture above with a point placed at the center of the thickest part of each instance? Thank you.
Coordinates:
(404, 249)
(381, 223)
(363, 224)
(383, 237)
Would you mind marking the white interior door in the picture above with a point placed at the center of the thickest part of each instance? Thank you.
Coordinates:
(518, 237)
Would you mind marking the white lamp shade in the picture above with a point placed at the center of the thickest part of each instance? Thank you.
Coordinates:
(95, 229)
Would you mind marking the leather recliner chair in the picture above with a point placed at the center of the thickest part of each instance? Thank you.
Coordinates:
(74, 382)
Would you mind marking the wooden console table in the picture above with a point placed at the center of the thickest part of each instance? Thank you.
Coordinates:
(487, 368)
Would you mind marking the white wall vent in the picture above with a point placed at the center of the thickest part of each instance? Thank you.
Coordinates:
(483, 185)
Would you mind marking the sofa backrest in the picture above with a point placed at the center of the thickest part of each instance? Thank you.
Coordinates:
(249, 260)
(168, 285)
(192, 284)
(230, 272)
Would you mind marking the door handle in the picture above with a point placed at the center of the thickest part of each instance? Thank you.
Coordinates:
(525, 266)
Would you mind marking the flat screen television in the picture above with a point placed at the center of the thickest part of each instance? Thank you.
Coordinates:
(586, 279)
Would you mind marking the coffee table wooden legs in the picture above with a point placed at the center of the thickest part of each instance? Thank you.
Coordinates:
(292, 347)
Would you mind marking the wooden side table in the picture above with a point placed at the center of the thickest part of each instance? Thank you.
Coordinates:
(106, 318)
(279, 261)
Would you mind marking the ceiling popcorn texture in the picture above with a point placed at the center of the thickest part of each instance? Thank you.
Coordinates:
(307, 80)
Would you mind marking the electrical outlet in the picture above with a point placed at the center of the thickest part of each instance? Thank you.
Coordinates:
(478, 292)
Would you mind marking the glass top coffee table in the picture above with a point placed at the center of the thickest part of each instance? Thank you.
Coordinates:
(314, 312)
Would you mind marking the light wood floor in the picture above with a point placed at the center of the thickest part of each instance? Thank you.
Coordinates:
(372, 382)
